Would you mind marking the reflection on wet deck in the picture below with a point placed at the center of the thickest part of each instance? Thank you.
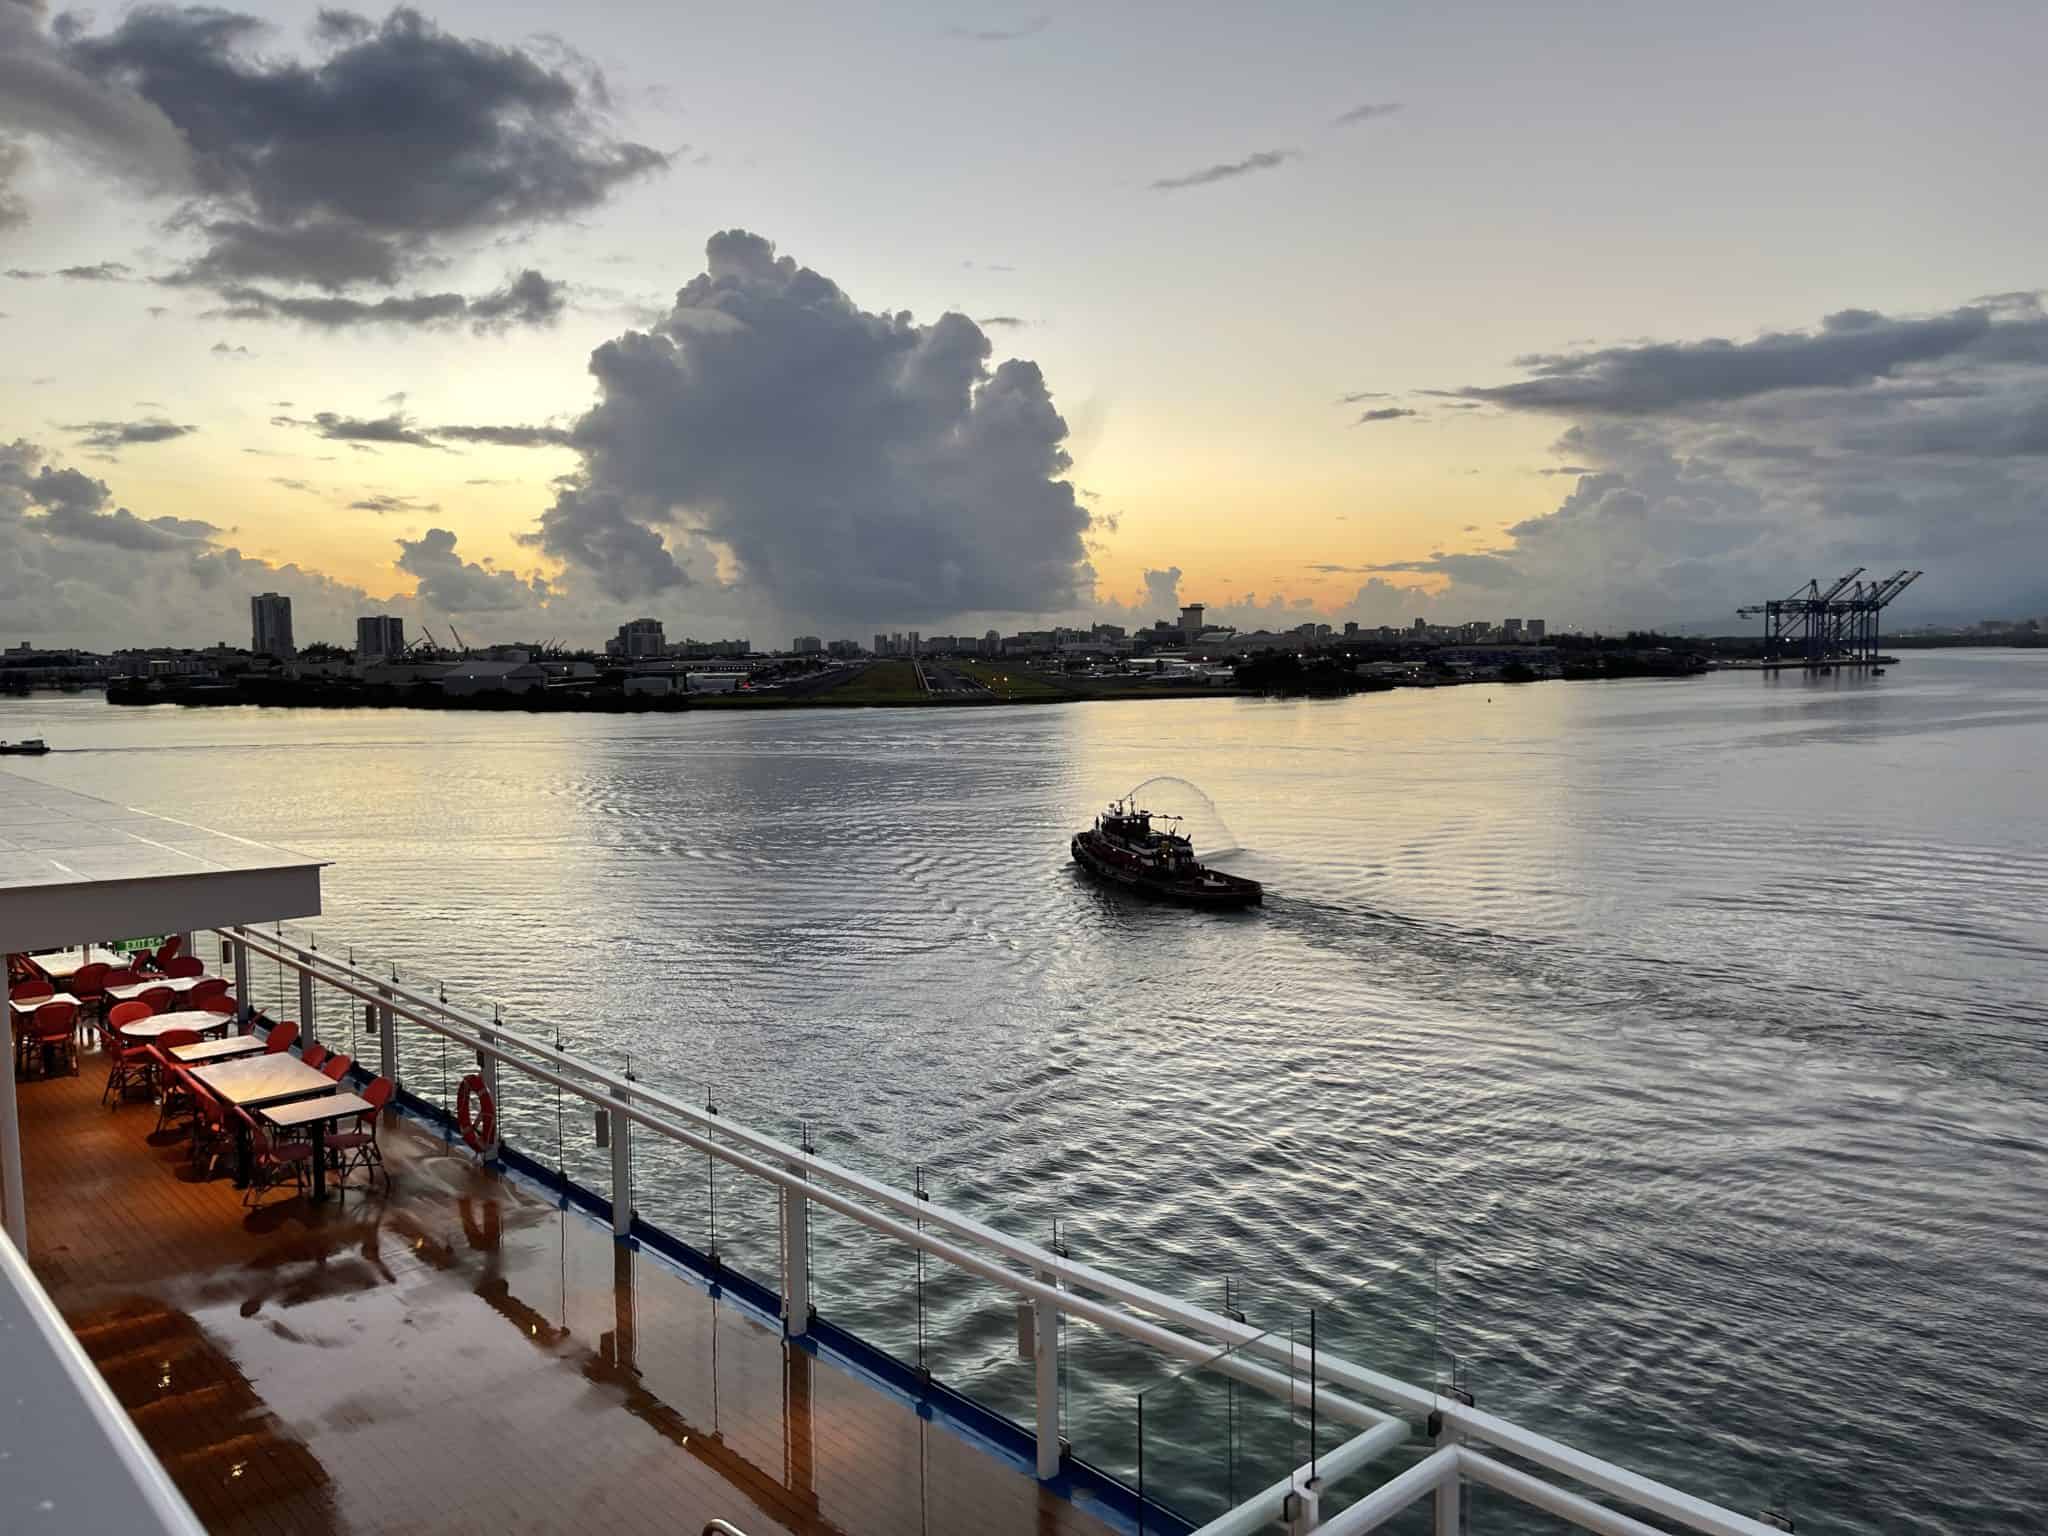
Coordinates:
(459, 1355)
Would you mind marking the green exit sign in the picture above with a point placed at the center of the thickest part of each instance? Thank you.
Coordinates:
(138, 946)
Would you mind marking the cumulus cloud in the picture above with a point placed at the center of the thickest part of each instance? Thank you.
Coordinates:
(67, 505)
(1708, 474)
(840, 464)
(1262, 160)
(450, 584)
(358, 165)
(125, 434)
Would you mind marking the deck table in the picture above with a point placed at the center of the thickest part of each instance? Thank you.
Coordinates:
(316, 1115)
(251, 1082)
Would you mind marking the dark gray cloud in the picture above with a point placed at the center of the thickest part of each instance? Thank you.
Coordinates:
(1384, 413)
(24, 275)
(324, 253)
(381, 503)
(357, 165)
(1263, 160)
(1368, 111)
(450, 584)
(222, 349)
(13, 164)
(395, 428)
(528, 299)
(1006, 321)
(1031, 28)
(294, 485)
(850, 465)
(69, 505)
(98, 272)
(125, 434)
(1711, 474)
(509, 436)
(1363, 394)
(1853, 347)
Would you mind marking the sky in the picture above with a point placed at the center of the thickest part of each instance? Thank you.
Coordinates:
(776, 319)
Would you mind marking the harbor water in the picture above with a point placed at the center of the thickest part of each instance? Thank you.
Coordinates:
(1665, 1059)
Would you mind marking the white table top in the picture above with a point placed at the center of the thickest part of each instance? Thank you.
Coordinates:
(194, 1019)
(265, 1079)
(178, 984)
(219, 1050)
(25, 1007)
(338, 1106)
(59, 965)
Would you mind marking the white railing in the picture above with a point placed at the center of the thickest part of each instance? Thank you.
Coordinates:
(1051, 1284)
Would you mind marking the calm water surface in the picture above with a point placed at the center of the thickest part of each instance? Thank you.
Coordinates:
(1667, 1055)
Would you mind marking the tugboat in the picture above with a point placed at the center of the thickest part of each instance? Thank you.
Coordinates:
(1123, 848)
(33, 746)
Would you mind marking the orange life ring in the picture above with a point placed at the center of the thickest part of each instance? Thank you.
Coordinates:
(476, 1114)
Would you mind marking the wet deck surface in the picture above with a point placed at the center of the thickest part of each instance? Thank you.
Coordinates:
(458, 1356)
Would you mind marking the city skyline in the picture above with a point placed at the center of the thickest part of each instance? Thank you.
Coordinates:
(660, 353)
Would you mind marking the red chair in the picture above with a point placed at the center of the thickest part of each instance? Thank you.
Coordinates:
(357, 1147)
(127, 1063)
(216, 1002)
(211, 1132)
(89, 982)
(166, 952)
(281, 1038)
(54, 1029)
(28, 991)
(313, 1054)
(272, 1157)
(179, 1089)
(213, 986)
(337, 1066)
(158, 998)
(185, 965)
(125, 977)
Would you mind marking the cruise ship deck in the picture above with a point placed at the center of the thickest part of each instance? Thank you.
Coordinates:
(483, 1343)
(462, 1354)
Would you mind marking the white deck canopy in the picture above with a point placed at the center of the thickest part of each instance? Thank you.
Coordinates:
(76, 870)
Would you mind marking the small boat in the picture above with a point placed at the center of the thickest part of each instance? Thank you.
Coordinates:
(1124, 848)
(32, 746)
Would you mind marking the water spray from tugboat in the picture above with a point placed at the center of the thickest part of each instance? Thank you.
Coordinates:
(1200, 822)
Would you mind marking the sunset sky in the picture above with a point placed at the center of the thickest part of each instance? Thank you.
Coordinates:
(1604, 313)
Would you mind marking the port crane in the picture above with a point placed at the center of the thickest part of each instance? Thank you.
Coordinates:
(1840, 623)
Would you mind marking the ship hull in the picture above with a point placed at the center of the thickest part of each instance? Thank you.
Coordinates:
(1211, 890)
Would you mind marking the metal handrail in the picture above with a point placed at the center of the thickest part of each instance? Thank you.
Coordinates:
(721, 1528)
(854, 1195)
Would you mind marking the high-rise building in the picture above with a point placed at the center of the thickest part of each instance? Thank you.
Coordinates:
(1533, 629)
(270, 626)
(641, 638)
(1191, 620)
(379, 635)
(1350, 629)
(807, 645)
(1419, 626)
(1511, 629)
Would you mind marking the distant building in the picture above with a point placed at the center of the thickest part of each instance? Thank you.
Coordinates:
(881, 645)
(377, 636)
(467, 677)
(1350, 630)
(1191, 619)
(1511, 630)
(641, 637)
(1532, 629)
(1420, 626)
(807, 645)
(992, 643)
(270, 625)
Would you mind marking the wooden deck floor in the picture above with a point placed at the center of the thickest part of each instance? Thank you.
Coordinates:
(459, 1356)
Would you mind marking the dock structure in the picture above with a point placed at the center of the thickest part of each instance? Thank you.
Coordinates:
(1833, 627)
(484, 1340)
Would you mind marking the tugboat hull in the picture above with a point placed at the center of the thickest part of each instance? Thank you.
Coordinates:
(1208, 889)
